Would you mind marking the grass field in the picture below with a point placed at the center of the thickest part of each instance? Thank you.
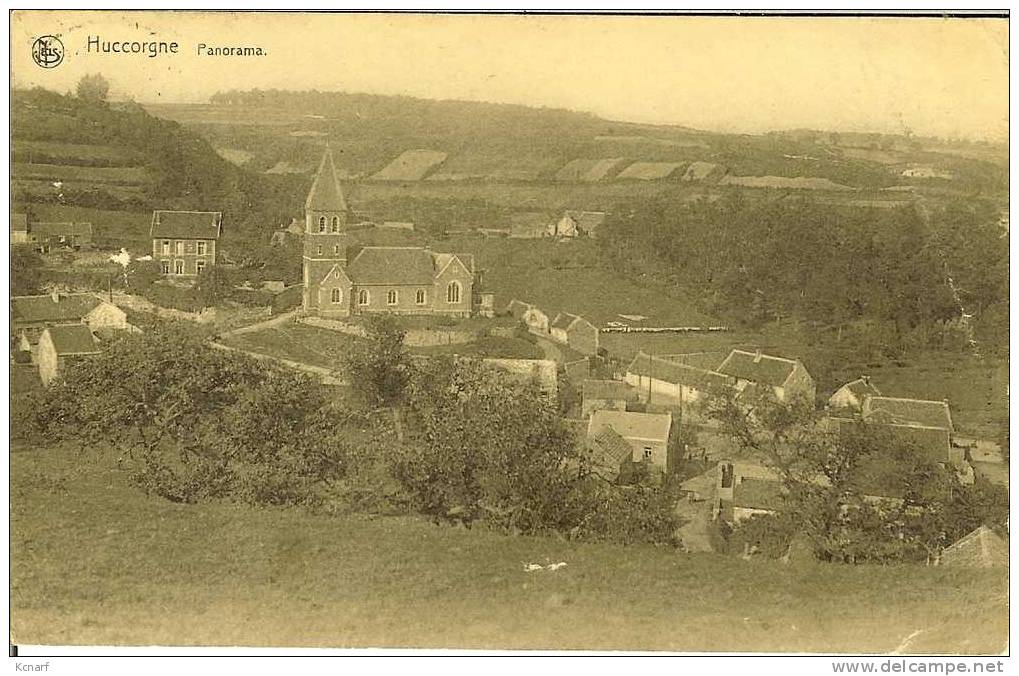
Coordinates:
(490, 346)
(94, 561)
(68, 172)
(297, 342)
(129, 229)
(72, 151)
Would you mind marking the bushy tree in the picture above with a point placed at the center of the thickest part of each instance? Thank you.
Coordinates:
(93, 88)
(26, 271)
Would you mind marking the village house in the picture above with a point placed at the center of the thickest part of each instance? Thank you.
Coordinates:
(343, 279)
(982, 548)
(576, 224)
(47, 237)
(576, 332)
(785, 379)
(928, 424)
(62, 344)
(31, 315)
(184, 242)
(852, 395)
(647, 434)
(605, 395)
(536, 320)
(743, 490)
(678, 382)
(609, 453)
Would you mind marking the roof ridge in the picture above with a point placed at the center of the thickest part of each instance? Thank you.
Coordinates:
(765, 355)
(918, 401)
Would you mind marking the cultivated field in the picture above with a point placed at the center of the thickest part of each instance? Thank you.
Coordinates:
(94, 561)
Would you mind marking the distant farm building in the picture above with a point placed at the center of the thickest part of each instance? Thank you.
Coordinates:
(576, 332)
(673, 379)
(783, 378)
(48, 237)
(31, 315)
(536, 320)
(852, 395)
(577, 223)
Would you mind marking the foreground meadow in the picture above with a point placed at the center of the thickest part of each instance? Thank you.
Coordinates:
(94, 561)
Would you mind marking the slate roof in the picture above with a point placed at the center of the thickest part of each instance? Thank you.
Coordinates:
(62, 228)
(67, 308)
(325, 193)
(862, 388)
(629, 425)
(19, 222)
(186, 224)
(762, 368)
(607, 389)
(983, 548)
(73, 339)
(563, 320)
(609, 448)
(443, 259)
(678, 373)
(759, 494)
(392, 265)
(909, 412)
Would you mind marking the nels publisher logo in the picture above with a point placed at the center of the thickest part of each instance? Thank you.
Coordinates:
(48, 51)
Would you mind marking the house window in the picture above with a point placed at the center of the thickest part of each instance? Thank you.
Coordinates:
(166, 247)
(362, 297)
(180, 247)
(201, 248)
(165, 264)
(199, 267)
(336, 295)
(420, 297)
(321, 223)
(178, 267)
(336, 249)
(391, 298)
(319, 249)
(453, 292)
(647, 452)
(336, 224)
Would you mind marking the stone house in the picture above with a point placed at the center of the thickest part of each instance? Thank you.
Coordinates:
(674, 380)
(852, 395)
(62, 344)
(184, 242)
(577, 223)
(647, 434)
(785, 379)
(31, 315)
(576, 332)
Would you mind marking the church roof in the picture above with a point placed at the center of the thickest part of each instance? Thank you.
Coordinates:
(325, 193)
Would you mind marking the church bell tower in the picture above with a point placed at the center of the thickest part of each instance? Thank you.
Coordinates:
(325, 225)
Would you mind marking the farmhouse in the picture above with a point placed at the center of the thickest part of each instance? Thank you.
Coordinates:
(30, 315)
(852, 395)
(62, 344)
(577, 223)
(50, 236)
(576, 332)
(646, 433)
(605, 395)
(609, 453)
(342, 279)
(928, 424)
(536, 320)
(673, 379)
(184, 242)
(785, 379)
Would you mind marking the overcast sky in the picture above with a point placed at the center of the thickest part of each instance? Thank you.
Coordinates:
(942, 77)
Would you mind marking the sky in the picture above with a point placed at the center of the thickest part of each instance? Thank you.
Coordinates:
(926, 76)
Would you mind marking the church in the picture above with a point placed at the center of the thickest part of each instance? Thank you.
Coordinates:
(344, 275)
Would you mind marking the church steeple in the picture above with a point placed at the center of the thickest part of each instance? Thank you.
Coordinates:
(326, 194)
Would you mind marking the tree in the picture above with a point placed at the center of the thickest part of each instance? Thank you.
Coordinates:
(379, 367)
(93, 88)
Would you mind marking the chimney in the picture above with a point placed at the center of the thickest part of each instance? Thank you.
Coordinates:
(757, 357)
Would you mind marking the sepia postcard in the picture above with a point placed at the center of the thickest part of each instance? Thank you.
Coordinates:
(510, 332)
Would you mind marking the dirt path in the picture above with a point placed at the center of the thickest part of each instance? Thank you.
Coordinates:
(327, 376)
(284, 318)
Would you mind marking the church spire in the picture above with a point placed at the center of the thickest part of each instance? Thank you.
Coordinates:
(326, 194)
